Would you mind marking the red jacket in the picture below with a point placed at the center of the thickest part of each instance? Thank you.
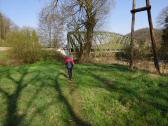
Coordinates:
(69, 59)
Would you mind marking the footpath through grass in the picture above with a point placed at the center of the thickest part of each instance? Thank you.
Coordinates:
(99, 95)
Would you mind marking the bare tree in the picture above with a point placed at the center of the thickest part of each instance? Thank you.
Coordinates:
(163, 22)
(50, 27)
(85, 14)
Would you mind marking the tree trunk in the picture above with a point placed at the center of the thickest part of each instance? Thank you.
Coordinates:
(50, 40)
(85, 52)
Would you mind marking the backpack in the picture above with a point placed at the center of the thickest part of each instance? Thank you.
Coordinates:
(69, 65)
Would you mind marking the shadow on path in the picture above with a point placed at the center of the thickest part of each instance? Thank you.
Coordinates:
(75, 118)
(13, 117)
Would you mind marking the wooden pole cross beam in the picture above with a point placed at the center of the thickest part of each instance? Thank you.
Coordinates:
(133, 11)
(141, 9)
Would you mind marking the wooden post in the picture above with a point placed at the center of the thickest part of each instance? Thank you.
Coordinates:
(152, 37)
(132, 35)
(133, 11)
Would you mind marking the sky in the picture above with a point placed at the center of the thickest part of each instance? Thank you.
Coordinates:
(26, 12)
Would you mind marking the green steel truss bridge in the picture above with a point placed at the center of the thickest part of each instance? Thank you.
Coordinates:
(102, 41)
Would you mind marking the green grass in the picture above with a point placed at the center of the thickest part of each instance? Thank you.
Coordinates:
(99, 95)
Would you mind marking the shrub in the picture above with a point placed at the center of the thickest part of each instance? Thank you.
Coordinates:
(3, 43)
(122, 56)
(25, 45)
(163, 53)
(51, 55)
(141, 51)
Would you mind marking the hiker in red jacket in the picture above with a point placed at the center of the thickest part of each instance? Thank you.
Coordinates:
(69, 62)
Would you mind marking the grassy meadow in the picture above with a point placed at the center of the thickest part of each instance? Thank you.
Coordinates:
(99, 95)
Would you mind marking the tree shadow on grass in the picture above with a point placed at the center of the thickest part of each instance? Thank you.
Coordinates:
(78, 121)
(12, 117)
(133, 93)
(107, 67)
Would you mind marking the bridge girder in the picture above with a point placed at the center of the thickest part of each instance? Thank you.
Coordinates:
(108, 41)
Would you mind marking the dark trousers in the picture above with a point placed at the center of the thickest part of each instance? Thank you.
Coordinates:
(69, 73)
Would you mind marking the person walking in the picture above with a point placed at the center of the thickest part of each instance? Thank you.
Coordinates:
(69, 62)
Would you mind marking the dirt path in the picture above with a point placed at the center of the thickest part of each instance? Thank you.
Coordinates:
(75, 99)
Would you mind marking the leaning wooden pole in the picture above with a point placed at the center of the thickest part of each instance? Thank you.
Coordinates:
(152, 37)
(132, 36)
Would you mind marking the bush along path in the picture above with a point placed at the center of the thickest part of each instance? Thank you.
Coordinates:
(40, 94)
